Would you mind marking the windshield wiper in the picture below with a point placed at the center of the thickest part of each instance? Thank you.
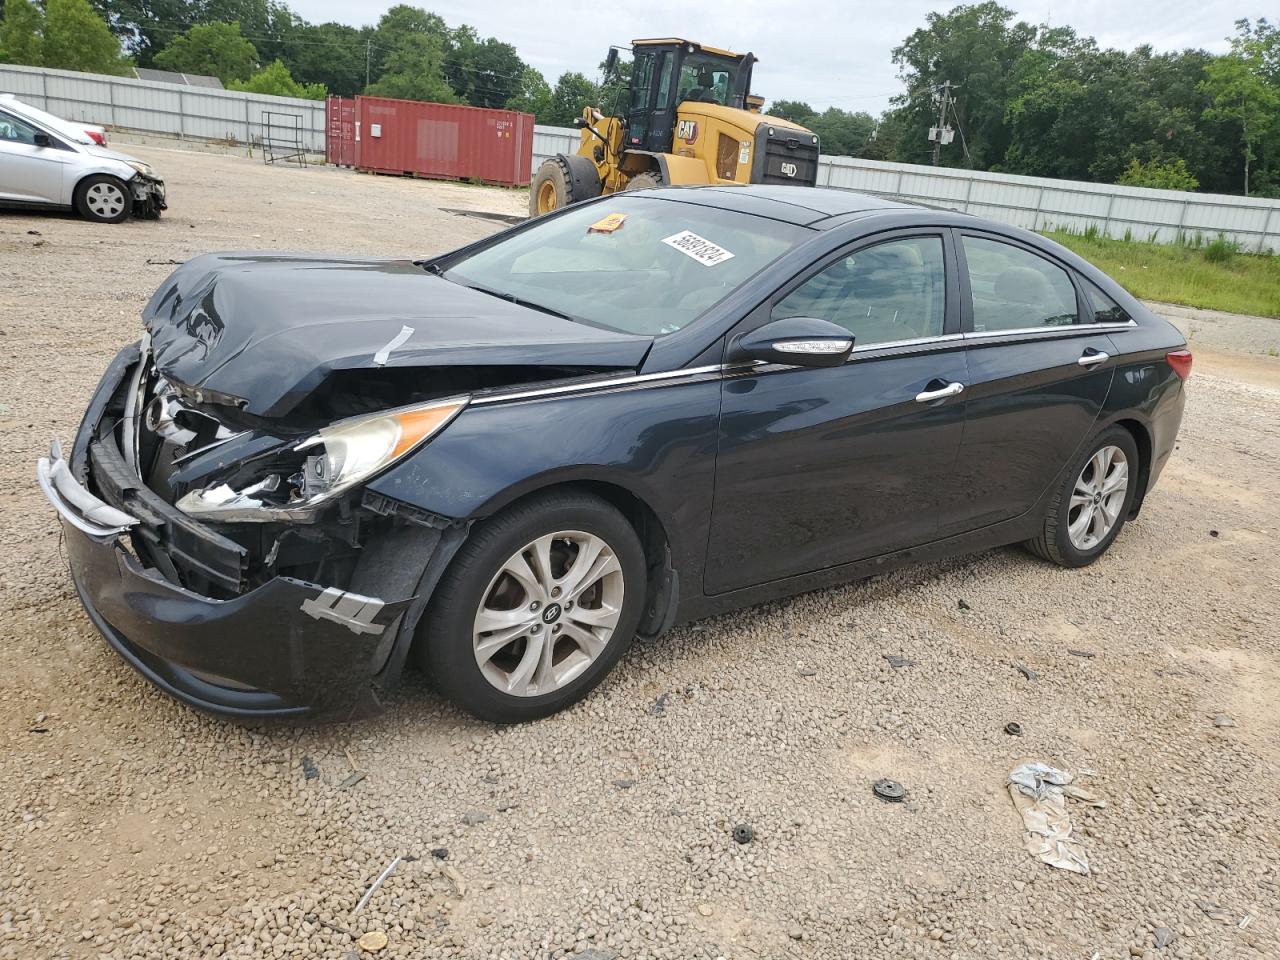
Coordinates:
(512, 298)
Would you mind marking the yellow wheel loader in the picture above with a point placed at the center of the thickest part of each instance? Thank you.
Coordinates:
(689, 119)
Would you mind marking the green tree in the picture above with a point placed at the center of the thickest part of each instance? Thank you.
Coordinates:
(415, 71)
(841, 133)
(397, 27)
(22, 33)
(143, 27)
(485, 73)
(214, 49)
(976, 47)
(1245, 91)
(533, 95)
(794, 110)
(275, 79)
(332, 54)
(76, 38)
(1160, 174)
(572, 92)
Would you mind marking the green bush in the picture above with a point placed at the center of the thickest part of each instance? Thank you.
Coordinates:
(1220, 250)
(1169, 174)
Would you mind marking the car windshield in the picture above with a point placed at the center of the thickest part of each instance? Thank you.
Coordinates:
(634, 264)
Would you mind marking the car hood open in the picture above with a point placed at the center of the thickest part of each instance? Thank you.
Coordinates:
(268, 328)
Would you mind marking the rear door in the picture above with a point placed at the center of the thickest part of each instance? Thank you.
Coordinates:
(1038, 377)
(29, 172)
(820, 467)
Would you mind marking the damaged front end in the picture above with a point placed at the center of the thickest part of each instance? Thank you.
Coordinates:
(238, 562)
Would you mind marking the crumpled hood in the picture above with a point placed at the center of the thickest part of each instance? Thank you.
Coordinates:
(268, 328)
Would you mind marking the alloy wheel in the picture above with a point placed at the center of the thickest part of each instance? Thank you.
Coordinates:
(1098, 497)
(106, 200)
(548, 613)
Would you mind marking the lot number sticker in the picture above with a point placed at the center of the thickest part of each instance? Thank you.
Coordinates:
(699, 248)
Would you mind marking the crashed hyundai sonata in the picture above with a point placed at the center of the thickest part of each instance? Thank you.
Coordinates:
(506, 462)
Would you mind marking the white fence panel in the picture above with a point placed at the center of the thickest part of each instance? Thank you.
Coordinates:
(164, 108)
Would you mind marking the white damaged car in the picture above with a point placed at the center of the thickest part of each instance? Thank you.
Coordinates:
(43, 164)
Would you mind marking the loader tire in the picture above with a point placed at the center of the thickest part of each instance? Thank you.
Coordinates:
(560, 181)
(645, 181)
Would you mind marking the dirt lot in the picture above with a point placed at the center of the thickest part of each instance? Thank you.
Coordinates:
(135, 828)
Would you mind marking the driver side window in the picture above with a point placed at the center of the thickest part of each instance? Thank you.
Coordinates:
(891, 291)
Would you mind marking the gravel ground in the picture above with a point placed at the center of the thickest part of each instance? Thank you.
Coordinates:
(134, 828)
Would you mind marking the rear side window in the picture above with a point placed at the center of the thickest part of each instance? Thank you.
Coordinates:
(1016, 290)
(1102, 307)
(891, 291)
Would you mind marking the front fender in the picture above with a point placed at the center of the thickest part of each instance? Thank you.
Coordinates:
(657, 441)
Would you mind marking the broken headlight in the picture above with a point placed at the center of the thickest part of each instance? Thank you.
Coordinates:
(339, 457)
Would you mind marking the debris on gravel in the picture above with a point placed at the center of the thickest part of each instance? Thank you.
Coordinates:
(162, 834)
(744, 833)
(897, 661)
(890, 790)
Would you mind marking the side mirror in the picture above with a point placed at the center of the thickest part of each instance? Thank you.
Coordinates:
(610, 61)
(42, 140)
(796, 342)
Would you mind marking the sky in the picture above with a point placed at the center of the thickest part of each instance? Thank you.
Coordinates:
(824, 52)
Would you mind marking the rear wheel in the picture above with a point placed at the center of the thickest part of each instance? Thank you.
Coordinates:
(643, 181)
(1090, 507)
(104, 199)
(536, 608)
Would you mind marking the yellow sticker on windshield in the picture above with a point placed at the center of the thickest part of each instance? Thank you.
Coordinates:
(609, 224)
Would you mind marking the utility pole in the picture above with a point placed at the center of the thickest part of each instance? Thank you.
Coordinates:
(942, 134)
(367, 45)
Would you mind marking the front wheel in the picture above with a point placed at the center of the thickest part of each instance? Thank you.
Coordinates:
(1090, 507)
(103, 199)
(536, 608)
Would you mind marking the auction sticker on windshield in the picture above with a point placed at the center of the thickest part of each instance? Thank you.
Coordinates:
(699, 248)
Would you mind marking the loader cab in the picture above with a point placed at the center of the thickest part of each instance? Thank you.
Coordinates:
(667, 73)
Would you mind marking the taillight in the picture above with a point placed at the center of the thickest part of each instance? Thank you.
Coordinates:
(1180, 361)
(97, 138)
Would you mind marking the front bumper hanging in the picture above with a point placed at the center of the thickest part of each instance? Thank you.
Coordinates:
(287, 648)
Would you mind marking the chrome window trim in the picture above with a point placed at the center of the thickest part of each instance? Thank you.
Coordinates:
(942, 338)
(722, 370)
(593, 386)
(1071, 329)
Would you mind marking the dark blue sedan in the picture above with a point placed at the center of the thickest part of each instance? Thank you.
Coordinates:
(508, 461)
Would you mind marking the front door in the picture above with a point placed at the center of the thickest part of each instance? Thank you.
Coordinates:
(1039, 377)
(820, 467)
(29, 172)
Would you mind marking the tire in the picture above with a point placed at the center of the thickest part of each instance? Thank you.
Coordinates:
(561, 181)
(1080, 545)
(645, 181)
(104, 199)
(453, 641)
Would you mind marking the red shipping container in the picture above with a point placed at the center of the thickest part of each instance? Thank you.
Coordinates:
(439, 140)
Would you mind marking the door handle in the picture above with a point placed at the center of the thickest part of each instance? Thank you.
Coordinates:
(1093, 357)
(950, 390)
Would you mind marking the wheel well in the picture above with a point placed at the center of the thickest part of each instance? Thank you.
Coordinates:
(1142, 439)
(653, 539)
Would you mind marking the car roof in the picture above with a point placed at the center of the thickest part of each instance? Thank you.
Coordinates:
(804, 206)
(64, 128)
